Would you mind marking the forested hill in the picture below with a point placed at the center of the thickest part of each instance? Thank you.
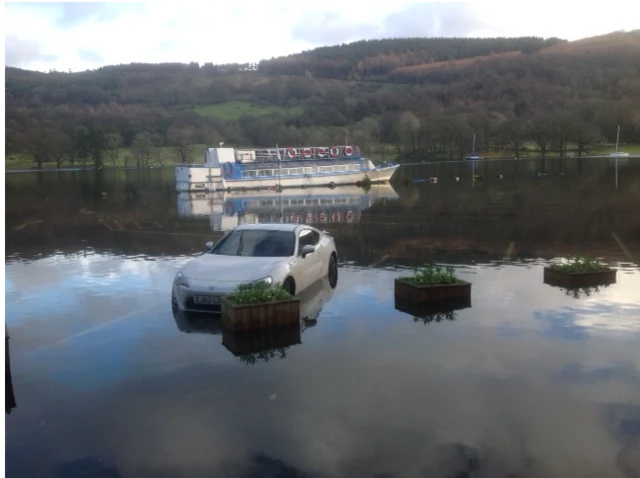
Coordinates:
(417, 97)
(375, 59)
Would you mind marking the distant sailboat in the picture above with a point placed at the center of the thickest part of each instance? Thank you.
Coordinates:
(473, 156)
(618, 154)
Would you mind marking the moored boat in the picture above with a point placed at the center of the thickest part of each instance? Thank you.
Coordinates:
(228, 169)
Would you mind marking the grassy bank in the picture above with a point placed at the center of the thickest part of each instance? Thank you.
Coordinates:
(166, 156)
(162, 156)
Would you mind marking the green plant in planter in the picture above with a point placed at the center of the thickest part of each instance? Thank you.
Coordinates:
(258, 292)
(432, 275)
(581, 264)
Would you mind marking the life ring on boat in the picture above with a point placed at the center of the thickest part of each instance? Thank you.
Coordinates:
(349, 216)
(324, 217)
(321, 152)
(335, 216)
(334, 151)
(307, 152)
(228, 170)
(348, 150)
(292, 153)
(230, 209)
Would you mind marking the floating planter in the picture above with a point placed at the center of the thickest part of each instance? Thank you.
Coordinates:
(579, 273)
(431, 284)
(259, 306)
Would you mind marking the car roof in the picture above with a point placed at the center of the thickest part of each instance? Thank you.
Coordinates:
(276, 226)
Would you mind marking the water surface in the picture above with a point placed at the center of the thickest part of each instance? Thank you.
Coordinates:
(531, 380)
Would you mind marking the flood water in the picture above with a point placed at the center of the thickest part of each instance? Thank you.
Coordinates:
(531, 380)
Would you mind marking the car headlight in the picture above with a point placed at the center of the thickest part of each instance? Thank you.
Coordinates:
(267, 280)
(181, 280)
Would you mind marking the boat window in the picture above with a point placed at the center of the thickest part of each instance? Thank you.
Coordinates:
(256, 243)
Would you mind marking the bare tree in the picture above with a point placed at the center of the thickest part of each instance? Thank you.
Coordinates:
(408, 130)
(181, 139)
(541, 131)
(113, 140)
(40, 145)
(142, 148)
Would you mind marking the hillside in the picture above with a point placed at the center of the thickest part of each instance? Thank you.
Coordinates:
(422, 97)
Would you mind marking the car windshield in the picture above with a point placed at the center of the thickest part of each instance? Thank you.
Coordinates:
(256, 243)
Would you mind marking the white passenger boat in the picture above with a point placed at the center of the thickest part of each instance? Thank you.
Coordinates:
(229, 169)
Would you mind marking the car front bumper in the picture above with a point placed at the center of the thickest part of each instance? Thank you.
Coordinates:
(187, 298)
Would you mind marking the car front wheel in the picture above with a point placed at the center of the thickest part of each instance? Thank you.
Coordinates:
(289, 286)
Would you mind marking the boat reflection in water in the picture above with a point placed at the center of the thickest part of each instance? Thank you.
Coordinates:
(264, 345)
(305, 206)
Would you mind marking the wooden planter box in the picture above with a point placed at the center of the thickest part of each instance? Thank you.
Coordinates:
(424, 309)
(575, 280)
(255, 342)
(406, 292)
(266, 315)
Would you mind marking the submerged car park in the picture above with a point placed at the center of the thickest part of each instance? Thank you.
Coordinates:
(293, 255)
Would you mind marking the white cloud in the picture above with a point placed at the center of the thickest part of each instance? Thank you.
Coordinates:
(79, 36)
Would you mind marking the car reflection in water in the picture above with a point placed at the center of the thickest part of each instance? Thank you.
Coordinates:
(266, 345)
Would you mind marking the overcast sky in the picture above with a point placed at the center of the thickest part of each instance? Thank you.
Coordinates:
(79, 36)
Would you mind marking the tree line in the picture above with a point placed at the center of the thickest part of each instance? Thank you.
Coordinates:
(549, 96)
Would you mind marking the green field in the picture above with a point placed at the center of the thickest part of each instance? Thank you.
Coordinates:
(162, 156)
(232, 110)
(625, 148)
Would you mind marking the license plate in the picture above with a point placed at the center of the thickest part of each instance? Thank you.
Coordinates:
(206, 299)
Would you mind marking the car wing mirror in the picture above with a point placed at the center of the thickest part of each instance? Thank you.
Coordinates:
(307, 250)
(208, 245)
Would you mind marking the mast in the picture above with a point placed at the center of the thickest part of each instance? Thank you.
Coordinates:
(279, 166)
(618, 138)
(473, 147)
(279, 192)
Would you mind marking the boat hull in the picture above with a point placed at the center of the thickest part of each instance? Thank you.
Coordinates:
(300, 181)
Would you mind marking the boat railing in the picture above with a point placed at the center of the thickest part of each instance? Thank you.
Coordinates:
(302, 153)
(197, 165)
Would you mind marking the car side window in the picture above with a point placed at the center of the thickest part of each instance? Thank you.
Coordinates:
(307, 237)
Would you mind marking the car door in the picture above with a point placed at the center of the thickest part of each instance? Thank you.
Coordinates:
(311, 265)
(322, 254)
